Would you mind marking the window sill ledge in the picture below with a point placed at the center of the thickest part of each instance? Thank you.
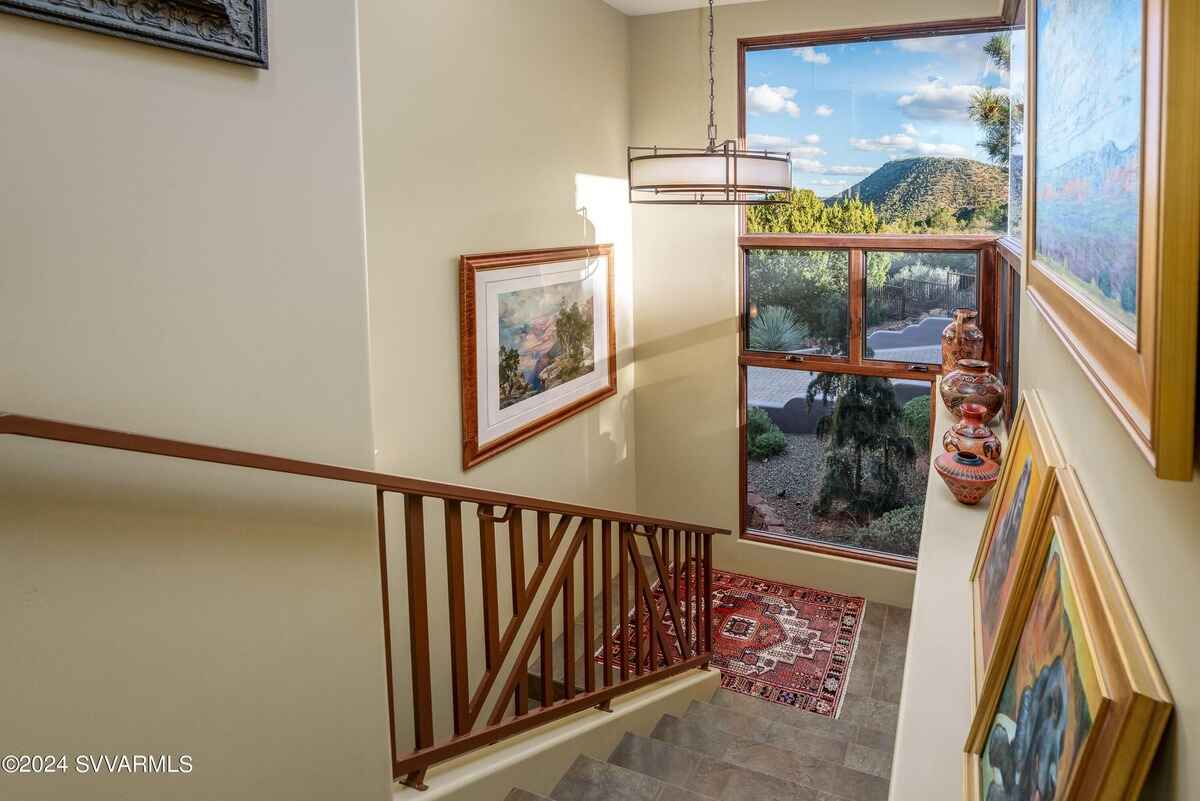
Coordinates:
(936, 700)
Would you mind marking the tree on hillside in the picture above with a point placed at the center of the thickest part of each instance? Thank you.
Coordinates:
(805, 213)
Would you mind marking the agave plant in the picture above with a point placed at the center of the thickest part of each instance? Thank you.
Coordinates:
(776, 328)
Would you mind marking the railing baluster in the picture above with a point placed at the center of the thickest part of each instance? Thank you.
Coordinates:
(381, 520)
(699, 590)
(568, 624)
(589, 608)
(458, 616)
(418, 627)
(630, 554)
(516, 566)
(708, 632)
(547, 643)
(687, 588)
(623, 601)
(676, 568)
(491, 601)
(606, 597)
(671, 604)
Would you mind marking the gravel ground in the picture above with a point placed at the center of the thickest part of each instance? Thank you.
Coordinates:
(791, 482)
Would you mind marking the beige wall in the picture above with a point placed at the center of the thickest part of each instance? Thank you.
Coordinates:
(686, 281)
(488, 127)
(1153, 531)
(181, 253)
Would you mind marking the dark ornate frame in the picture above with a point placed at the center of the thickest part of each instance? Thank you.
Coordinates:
(233, 30)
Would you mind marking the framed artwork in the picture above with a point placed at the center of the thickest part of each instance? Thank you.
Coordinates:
(538, 342)
(1032, 454)
(1114, 206)
(1076, 706)
(233, 30)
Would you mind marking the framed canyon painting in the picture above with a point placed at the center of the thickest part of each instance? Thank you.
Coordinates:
(538, 342)
(1003, 555)
(1114, 230)
(1076, 706)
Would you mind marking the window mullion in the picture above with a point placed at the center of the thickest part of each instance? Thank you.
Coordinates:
(858, 285)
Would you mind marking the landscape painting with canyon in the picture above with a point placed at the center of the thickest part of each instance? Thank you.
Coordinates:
(546, 338)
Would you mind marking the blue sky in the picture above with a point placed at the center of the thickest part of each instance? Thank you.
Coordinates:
(844, 110)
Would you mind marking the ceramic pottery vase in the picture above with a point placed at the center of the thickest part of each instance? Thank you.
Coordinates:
(962, 339)
(972, 383)
(968, 476)
(970, 435)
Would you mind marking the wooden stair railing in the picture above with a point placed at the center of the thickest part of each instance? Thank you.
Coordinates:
(663, 616)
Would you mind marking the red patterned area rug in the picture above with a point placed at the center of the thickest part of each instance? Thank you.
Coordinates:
(791, 645)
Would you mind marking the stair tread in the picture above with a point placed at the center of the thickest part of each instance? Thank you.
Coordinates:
(700, 773)
(518, 794)
(592, 780)
(765, 757)
(824, 744)
(837, 728)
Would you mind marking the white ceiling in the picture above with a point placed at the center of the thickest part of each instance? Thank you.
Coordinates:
(639, 7)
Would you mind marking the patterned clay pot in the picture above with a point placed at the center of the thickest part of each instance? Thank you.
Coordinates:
(970, 435)
(972, 383)
(962, 339)
(968, 476)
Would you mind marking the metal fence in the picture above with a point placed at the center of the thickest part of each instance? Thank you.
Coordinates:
(900, 299)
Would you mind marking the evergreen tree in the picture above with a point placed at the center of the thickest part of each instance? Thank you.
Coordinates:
(868, 445)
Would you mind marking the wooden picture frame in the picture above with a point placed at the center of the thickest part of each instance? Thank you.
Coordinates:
(1030, 456)
(1089, 691)
(513, 296)
(1142, 361)
(226, 29)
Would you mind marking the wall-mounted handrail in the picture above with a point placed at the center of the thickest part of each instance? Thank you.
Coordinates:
(59, 431)
(666, 629)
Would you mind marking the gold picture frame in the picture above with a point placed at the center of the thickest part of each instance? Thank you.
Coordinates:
(1136, 344)
(1032, 452)
(1080, 674)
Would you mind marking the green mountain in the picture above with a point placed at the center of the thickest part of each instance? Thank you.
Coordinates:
(913, 189)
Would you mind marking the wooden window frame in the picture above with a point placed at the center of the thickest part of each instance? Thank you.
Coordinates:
(993, 251)
(989, 261)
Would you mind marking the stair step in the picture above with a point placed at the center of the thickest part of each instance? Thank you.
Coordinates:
(591, 780)
(764, 730)
(700, 773)
(834, 728)
(767, 758)
(517, 794)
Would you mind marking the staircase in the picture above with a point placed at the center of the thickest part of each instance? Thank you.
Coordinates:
(739, 748)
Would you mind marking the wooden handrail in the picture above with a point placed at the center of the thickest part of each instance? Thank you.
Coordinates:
(669, 623)
(59, 431)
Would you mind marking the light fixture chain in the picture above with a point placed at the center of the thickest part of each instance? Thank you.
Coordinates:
(712, 84)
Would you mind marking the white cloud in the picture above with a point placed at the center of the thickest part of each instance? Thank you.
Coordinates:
(888, 143)
(910, 129)
(811, 139)
(849, 170)
(766, 99)
(900, 144)
(829, 181)
(767, 141)
(941, 149)
(816, 166)
(939, 100)
(811, 55)
(824, 111)
(807, 150)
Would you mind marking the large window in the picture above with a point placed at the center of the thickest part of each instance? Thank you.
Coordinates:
(836, 459)
(902, 135)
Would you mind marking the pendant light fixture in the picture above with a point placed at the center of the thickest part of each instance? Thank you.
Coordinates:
(717, 175)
